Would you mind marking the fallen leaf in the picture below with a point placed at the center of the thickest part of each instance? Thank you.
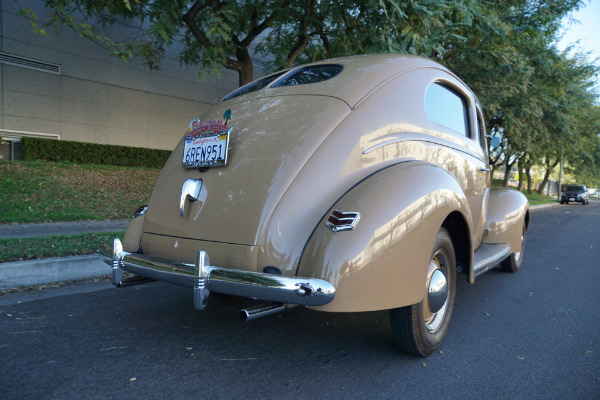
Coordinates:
(113, 348)
(132, 379)
(588, 352)
(520, 358)
(423, 364)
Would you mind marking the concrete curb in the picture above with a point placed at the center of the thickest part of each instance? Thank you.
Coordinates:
(542, 206)
(59, 269)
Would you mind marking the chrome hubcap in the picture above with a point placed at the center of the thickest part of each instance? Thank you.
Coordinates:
(438, 291)
(436, 301)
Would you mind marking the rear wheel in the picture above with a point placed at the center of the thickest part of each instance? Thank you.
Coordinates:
(513, 262)
(420, 328)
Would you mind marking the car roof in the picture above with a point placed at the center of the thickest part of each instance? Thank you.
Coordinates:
(361, 75)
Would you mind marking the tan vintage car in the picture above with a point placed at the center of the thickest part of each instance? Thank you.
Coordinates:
(354, 184)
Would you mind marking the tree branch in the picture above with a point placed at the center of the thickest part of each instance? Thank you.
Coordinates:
(190, 20)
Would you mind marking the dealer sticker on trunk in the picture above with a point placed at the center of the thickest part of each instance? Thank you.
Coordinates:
(207, 143)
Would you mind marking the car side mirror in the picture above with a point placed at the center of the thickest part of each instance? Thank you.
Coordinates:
(495, 142)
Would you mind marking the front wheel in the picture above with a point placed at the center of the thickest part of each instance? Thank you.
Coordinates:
(420, 328)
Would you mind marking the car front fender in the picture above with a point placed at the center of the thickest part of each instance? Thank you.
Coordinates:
(382, 263)
(508, 218)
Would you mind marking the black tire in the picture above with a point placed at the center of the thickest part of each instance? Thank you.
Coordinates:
(513, 262)
(416, 329)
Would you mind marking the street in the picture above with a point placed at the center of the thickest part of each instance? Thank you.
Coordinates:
(532, 334)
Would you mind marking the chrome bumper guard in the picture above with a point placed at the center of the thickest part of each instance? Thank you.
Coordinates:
(204, 278)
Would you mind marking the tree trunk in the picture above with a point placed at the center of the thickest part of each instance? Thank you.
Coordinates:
(509, 166)
(243, 66)
(549, 167)
(246, 74)
(246, 71)
(529, 180)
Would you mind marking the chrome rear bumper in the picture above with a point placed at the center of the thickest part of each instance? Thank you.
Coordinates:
(204, 278)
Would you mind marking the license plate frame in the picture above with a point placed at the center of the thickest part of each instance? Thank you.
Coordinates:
(208, 149)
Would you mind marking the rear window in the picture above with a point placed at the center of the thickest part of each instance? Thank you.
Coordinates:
(256, 85)
(310, 74)
(575, 189)
(301, 76)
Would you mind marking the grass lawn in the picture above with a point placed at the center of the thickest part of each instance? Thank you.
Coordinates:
(21, 249)
(534, 198)
(38, 191)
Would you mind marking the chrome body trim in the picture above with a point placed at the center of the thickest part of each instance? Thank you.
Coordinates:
(204, 278)
(189, 191)
(342, 220)
(420, 137)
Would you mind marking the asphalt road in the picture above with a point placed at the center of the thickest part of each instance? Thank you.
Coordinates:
(530, 335)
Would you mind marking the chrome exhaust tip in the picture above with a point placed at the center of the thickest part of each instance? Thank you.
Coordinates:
(261, 310)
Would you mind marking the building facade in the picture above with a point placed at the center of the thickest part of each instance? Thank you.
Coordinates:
(69, 88)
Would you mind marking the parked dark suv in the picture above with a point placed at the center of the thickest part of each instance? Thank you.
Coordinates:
(576, 193)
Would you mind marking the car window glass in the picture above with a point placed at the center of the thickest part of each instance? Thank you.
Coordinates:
(575, 189)
(447, 108)
(254, 86)
(310, 74)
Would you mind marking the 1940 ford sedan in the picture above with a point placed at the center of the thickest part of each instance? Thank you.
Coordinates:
(353, 184)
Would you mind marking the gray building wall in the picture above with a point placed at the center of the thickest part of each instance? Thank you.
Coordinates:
(96, 97)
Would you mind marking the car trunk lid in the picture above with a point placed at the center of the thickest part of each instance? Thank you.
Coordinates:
(269, 143)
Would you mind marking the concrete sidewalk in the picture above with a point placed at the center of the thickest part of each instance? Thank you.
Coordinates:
(61, 228)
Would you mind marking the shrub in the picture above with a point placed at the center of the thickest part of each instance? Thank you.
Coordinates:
(92, 153)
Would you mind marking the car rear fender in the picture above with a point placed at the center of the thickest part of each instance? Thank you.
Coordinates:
(382, 262)
(133, 235)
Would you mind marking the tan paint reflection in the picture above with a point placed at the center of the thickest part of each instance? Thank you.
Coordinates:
(387, 255)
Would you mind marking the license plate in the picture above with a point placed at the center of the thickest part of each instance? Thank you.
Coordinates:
(206, 150)
(572, 199)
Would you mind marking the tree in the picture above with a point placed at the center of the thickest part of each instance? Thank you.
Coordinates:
(222, 33)
(512, 66)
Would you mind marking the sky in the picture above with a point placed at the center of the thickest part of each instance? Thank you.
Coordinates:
(587, 31)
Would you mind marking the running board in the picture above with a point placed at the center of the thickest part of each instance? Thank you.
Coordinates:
(489, 255)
